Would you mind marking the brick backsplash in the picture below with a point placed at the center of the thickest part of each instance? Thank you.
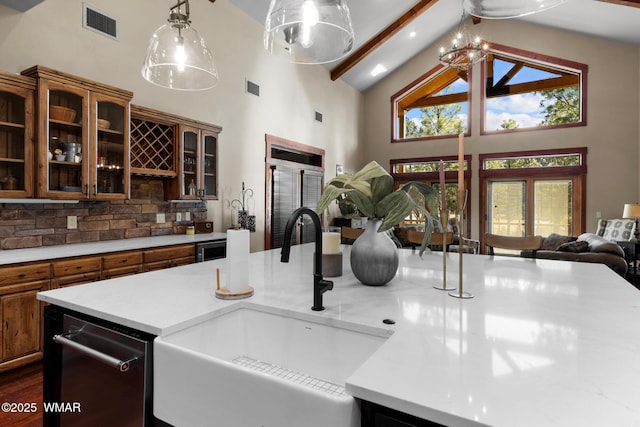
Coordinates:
(34, 224)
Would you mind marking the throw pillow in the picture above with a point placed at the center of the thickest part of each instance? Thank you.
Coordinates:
(602, 227)
(600, 244)
(575, 247)
(617, 229)
(553, 240)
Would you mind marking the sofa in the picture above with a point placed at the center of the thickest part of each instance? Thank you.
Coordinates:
(587, 247)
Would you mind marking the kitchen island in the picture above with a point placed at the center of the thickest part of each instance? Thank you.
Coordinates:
(542, 343)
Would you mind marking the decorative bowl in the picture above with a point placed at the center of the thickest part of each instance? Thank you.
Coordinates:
(104, 124)
(62, 114)
(60, 157)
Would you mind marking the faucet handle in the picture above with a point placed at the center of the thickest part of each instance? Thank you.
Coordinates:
(325, 285)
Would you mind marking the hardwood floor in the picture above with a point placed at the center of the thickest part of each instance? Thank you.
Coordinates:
(22, 386)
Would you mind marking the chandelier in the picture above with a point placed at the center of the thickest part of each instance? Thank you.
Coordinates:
(177, 57)
(465, 49)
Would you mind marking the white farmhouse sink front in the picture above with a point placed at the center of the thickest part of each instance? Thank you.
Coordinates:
(263, 367)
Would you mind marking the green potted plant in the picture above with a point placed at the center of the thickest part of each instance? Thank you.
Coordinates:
(374, 256)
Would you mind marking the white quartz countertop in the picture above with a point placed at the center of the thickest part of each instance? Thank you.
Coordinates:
(542, 343)
(77, 249)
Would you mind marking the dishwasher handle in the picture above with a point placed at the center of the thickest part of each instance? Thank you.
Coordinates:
(120, 365)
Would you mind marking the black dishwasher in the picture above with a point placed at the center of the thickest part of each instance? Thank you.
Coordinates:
(95, 372)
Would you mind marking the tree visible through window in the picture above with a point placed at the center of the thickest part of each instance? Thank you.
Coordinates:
(524, 91)
(436, 104)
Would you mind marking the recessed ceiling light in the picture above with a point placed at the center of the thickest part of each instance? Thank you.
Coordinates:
(412, 34)
(378, 69)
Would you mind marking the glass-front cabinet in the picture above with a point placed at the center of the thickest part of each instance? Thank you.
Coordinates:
(110, 147)
(16, 135)
(199, 154)
(83, 137)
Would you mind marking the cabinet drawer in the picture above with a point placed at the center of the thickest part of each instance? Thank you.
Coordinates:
(121, 271)
(75, 279)
(158, 265)
(183, 261)
(171, 252)
(12, 275)
(74, 266)
(125, 259)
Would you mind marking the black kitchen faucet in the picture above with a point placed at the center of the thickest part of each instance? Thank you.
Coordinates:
(320, 285)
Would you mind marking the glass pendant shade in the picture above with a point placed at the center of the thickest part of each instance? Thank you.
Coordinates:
(309, 31)
(503, 9)
(178, 58)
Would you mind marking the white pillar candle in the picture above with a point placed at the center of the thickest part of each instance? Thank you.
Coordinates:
(331, 240)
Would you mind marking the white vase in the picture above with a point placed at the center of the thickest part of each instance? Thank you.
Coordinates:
(374, 256)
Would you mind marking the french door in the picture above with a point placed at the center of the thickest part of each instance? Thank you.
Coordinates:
(530, 207)
(532, 193)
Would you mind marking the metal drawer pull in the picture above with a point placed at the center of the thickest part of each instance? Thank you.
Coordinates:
(120, 365)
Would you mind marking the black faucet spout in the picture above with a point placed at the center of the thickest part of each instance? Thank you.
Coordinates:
(320, 285)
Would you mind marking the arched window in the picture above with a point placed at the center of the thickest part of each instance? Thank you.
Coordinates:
(524, 90)
(434, 105)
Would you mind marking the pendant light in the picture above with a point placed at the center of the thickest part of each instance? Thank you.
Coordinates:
(177, 57)
(503, 9)
(309, 31)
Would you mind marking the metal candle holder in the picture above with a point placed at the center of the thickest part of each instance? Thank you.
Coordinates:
(245, 221)
(462, 203)
(444, 218)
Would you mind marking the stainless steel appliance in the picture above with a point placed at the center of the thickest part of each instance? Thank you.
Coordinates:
(95, 372)
(211, 249)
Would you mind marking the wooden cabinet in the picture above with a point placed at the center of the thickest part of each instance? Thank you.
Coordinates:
(82, 137)
(167, 257)
(171, 146)
(198, 162)
(153, 142)
(21, 313)
(121, 264)
(66, 137)
(75, 271)
(16, 135)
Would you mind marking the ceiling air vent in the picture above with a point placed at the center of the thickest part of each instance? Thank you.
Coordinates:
(93, 19)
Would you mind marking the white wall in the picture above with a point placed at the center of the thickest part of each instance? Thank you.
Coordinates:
(51, 34)
(612, 134)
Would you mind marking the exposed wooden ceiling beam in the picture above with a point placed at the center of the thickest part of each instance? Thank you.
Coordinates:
(435, 85)
(632, 3)
(538, 85)
(431, 101)
(380, 38)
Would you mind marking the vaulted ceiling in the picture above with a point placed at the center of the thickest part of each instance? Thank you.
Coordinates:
(391, 32)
